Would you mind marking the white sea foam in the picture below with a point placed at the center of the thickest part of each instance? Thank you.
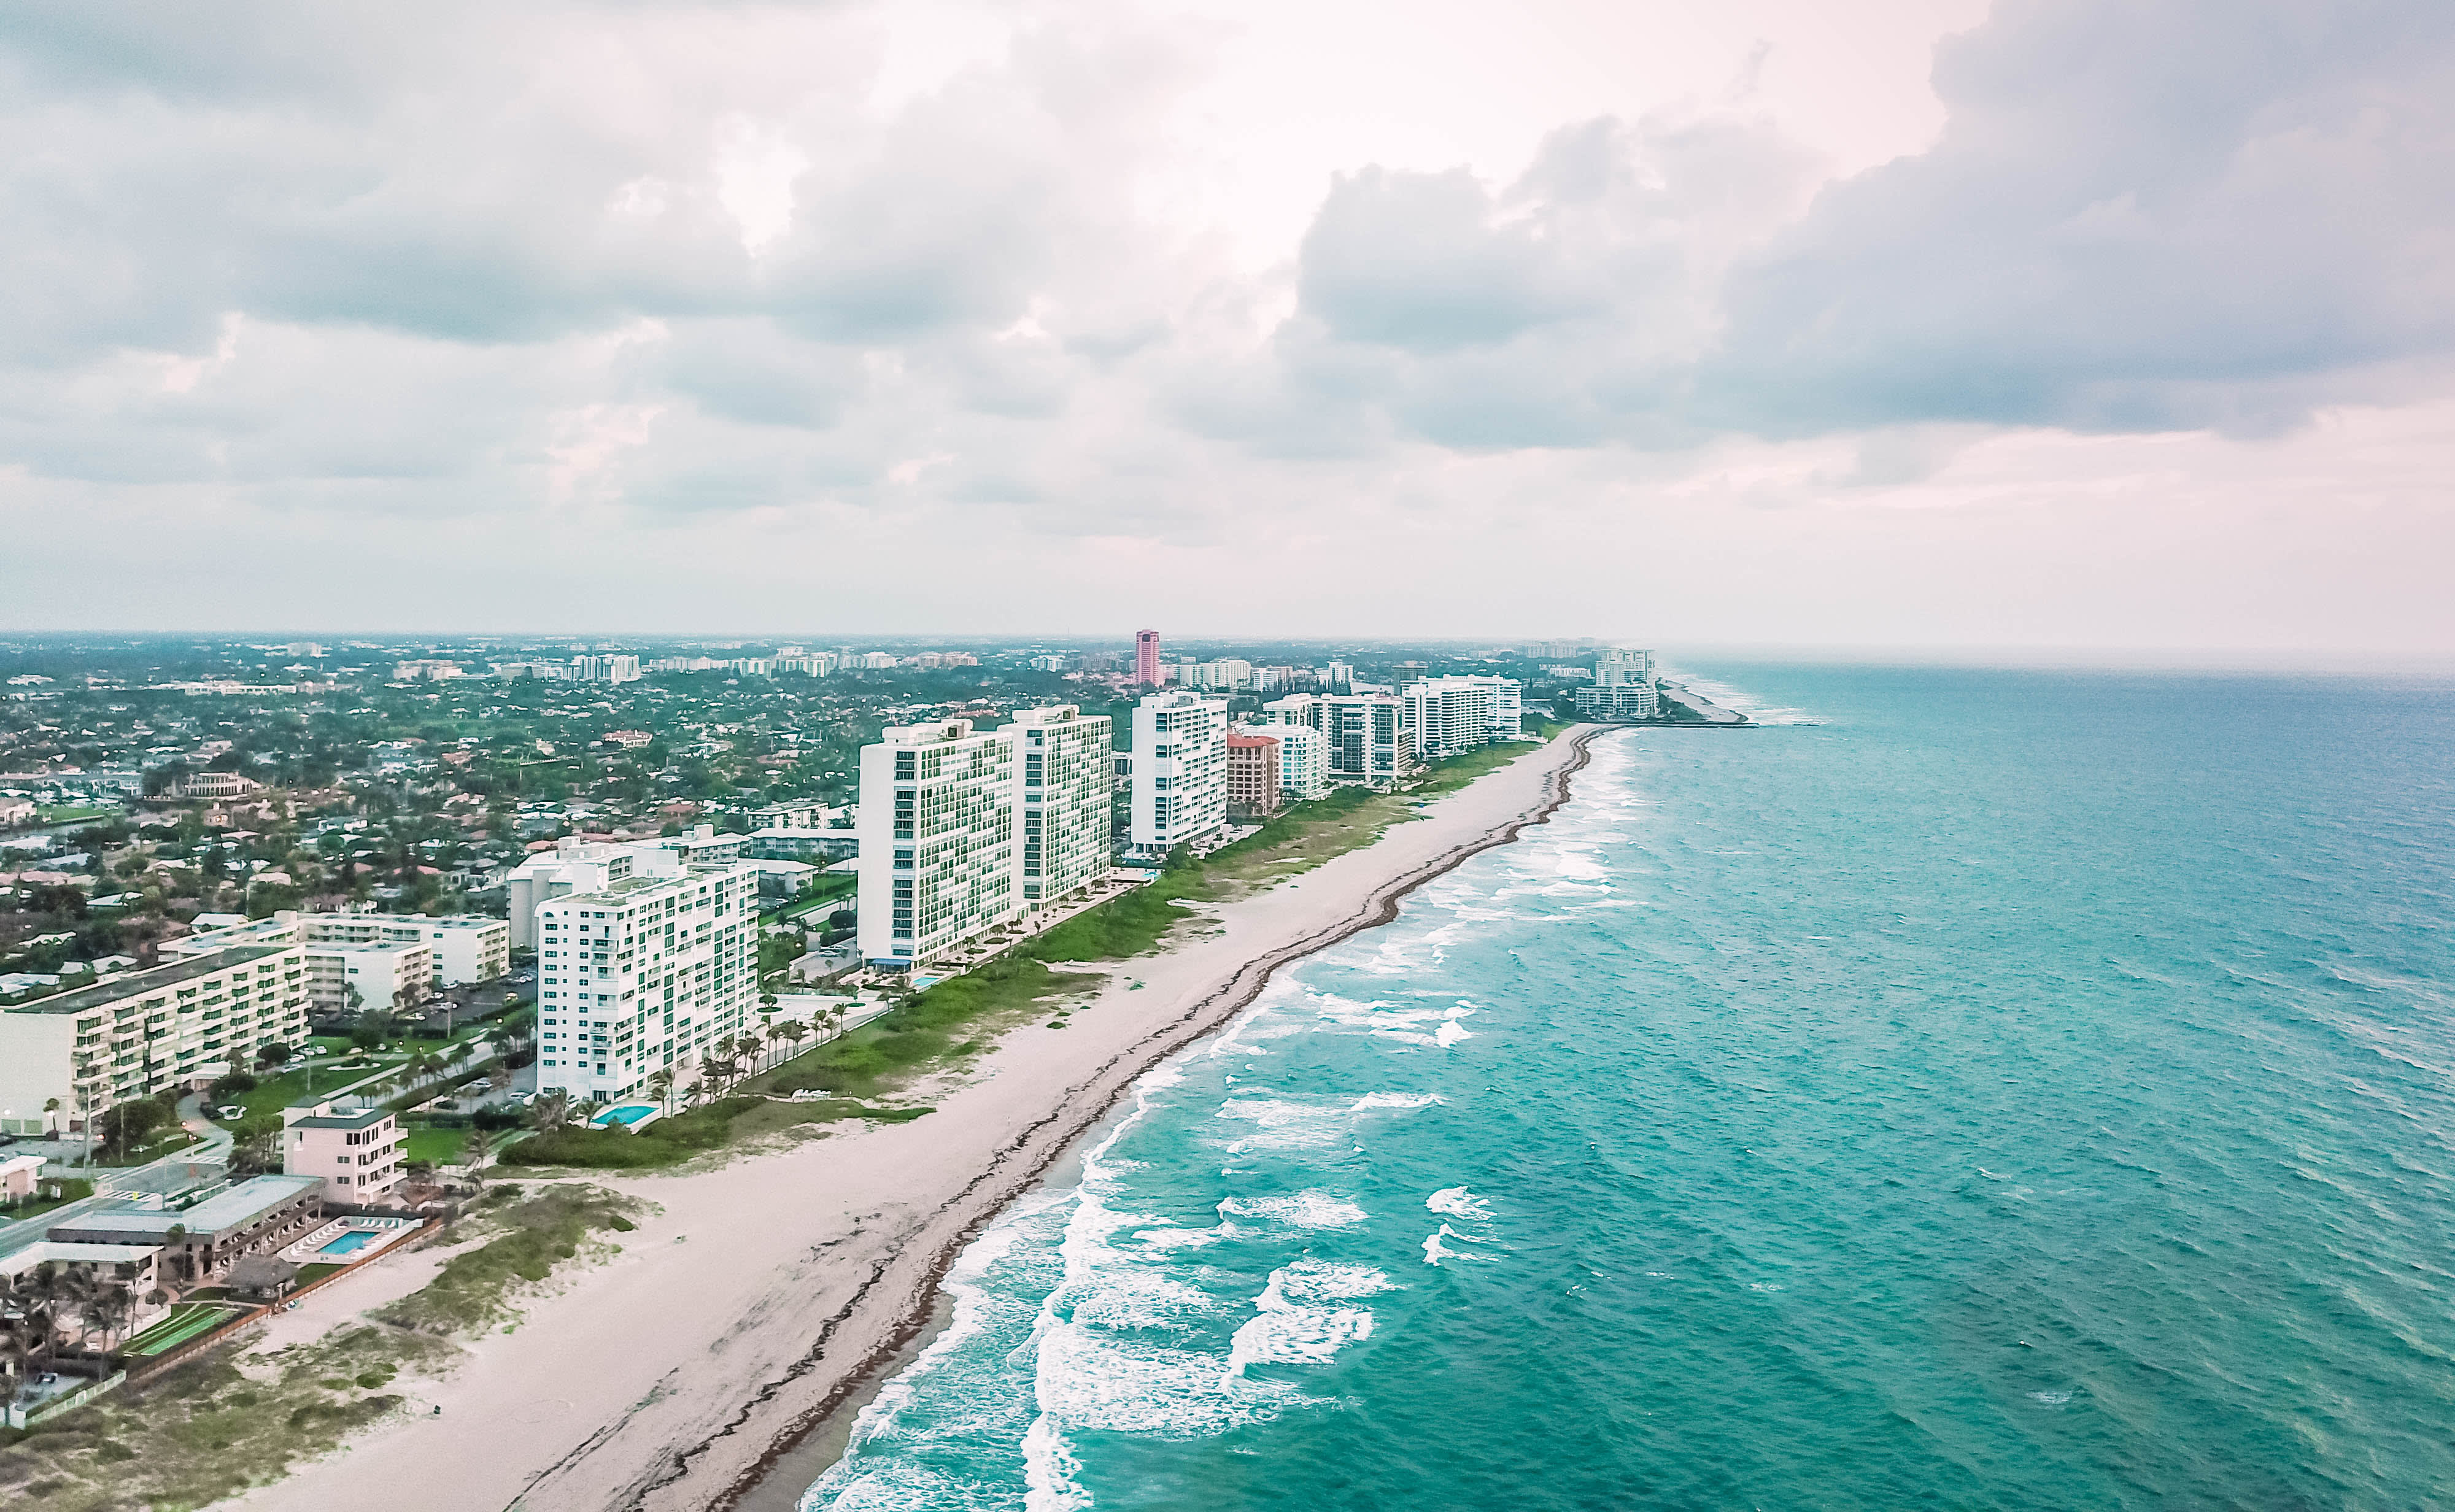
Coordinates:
(1396, 1099)
(1415, 1025)
(1297, 1321)
(1283, 1125)
(1114, 1385)
(1132, 1296)
(2052, 1399)
(1165, 1239)
(1459, 1203)
(1048, 1471)
(891, 1486)
(1742, 702)
(1450, 1032)
(1309, 1209)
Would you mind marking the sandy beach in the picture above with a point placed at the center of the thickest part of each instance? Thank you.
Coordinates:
(763, 1297)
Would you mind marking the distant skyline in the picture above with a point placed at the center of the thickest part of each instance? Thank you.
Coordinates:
(2088, 330)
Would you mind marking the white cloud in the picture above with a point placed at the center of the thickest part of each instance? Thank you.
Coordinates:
(1563, 308)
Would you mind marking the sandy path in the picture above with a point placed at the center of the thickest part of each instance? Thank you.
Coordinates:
(765, 1292)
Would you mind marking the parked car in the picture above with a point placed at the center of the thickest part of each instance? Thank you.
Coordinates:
(230, 1111)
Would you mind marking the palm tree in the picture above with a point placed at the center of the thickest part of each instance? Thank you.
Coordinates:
(792, 1031)
(105, 1307)
(660, 1086)
(695, 1092)
(550, 1112)
(25, 1325)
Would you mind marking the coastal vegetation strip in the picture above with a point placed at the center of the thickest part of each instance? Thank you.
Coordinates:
(533, 1234)
(213, 1426)
(708, 1128)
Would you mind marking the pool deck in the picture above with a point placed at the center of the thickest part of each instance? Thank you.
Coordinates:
(387, 1232)
(647, 1113)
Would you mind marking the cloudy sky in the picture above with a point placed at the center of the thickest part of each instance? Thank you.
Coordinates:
(2057, 323)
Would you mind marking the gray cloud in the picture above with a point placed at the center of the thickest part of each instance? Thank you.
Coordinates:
(275, 247)
(2139, 218)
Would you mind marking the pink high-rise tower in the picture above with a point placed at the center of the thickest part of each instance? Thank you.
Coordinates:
(1146, 657)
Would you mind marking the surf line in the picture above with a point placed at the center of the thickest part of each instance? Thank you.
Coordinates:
(1019, 1164)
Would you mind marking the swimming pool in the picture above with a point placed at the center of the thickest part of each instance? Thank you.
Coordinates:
(349, 1244)
(629, 1114)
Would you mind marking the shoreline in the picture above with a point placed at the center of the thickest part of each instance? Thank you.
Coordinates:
(1207, 1017)
(720, 1355)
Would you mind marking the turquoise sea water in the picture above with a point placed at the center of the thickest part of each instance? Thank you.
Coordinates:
(2015, 1089)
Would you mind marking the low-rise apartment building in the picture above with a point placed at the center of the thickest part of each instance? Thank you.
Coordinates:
(144, 1031)
(1628, 700)
(353, 978)
(356, 1151)
(257, 1217)
(459, 948)
(780, 842)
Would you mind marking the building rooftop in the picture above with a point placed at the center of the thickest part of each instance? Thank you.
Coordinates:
(138, 983)
(237, 1208)
(349, 1119)
(20, 1261)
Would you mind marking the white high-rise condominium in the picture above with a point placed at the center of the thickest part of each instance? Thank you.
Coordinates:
(605, 669)
(1065, 783)
(1449, 715)
(644, 958)
(1365, 736)
(937, 845)
(1180, 788)
(1228, 675)
(1303, 768)
(1624, 686)
(1619, 666)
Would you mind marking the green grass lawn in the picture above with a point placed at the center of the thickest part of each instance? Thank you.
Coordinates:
(71, 1189)
(954, 1017)
(170, 1143)
(436, 1146)
(272, 1093)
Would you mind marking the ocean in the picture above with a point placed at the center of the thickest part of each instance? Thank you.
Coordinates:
(1972, 1089)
